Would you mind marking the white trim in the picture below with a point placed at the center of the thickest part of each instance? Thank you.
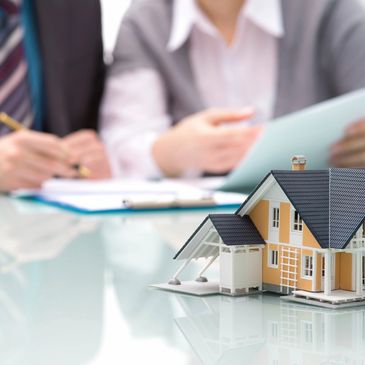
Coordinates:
(295, 236)
(304, 268)
(314, 249)
(273, 232)
(275, 216)
(257, 196)
(353, 276)
(328, 273)
(359, 279)
(293, 223)
(269, 261)
(314, 282)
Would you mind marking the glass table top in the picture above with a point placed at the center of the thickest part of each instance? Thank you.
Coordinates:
(74, 289)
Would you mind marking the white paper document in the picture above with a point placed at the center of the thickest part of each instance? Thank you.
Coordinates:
(119, 195)
(309, 132)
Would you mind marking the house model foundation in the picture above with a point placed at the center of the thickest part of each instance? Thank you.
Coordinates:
(300, 233)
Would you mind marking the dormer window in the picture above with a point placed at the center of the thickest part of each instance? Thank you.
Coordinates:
(297, 222)
(275, 217)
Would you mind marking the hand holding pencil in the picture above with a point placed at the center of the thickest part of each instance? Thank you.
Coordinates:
(28, 158)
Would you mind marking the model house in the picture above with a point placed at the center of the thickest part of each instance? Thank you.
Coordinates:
(300, 232)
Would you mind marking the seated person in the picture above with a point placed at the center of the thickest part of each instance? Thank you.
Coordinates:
(51, 79)
(185, 69)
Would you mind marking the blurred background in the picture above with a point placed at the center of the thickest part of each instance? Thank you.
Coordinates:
(113, 11)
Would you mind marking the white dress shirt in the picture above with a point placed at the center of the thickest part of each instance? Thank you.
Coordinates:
(234, 76)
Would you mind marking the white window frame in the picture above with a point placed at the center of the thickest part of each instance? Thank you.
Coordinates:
(276, 259)
(307, 271)
(275, 217)
(298, 223)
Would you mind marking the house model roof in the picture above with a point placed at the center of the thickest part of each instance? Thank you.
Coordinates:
(331, 202)
(233, 229)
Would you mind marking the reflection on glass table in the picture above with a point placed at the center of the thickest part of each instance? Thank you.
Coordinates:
(77, 292)
(263, 330)
(74, 288)
(47, 258)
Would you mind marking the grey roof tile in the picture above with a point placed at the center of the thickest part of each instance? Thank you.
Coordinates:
(347, 204)
(236, 230)
(331, 202)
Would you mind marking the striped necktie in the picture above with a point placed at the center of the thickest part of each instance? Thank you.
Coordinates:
(15, 95)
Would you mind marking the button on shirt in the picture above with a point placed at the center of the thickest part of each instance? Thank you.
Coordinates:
(234, 76)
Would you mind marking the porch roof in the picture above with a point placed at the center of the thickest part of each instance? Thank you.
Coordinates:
(233, 229)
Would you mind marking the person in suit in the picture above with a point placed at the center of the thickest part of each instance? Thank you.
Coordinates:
(51, 81)
(184, 69)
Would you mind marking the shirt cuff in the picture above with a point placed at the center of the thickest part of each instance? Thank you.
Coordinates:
(135, 159)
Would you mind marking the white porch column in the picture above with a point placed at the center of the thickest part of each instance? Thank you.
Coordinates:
(359, 273)
(327, 273)
(314, 276)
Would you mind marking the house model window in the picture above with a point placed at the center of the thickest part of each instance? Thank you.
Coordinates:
(275, 217)
(307, 263)
(297, 222)
(363, 229)
(274, 258)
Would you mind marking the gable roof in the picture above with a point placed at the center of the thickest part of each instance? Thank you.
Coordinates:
(331, 202)
(233, 229)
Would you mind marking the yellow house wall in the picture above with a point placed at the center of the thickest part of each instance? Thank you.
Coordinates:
(260, 217)
(270, 275)
(308, 238)
(304, 284)
(345, 271)
(284, 226)
(338, 271)
(343, 268)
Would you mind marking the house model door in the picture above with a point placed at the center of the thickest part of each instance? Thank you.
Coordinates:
(333, 271)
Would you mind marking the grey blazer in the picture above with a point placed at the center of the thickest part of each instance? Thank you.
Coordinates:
(322, 54)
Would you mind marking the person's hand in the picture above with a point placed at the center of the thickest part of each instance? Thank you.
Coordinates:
(204, 142)
(29, 158)
(350, 150)
(86, 149)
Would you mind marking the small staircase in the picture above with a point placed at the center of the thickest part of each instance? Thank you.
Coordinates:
(288, 269)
